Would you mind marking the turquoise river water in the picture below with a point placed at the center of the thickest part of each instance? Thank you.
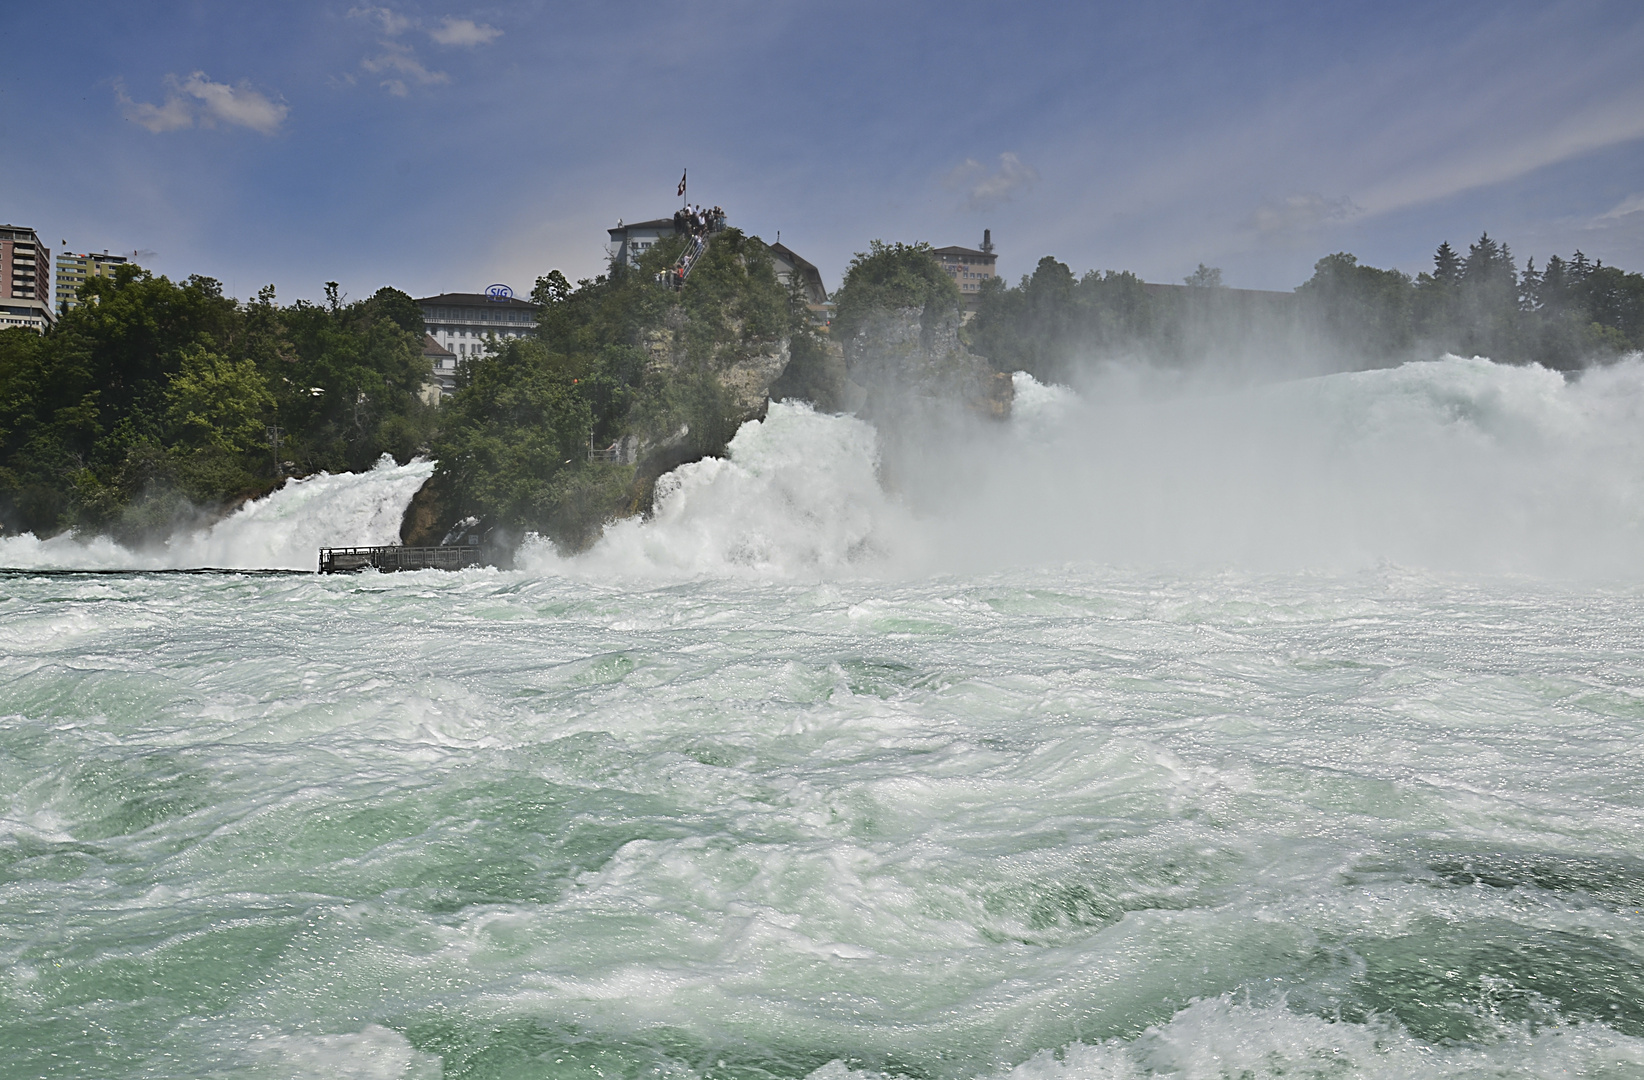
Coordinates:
(1254, 756)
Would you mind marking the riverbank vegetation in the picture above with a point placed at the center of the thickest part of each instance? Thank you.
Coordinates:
(155, 400)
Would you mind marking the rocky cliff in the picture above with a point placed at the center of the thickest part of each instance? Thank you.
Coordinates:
(909, 357)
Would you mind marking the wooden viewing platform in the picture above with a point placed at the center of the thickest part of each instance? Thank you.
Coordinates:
(394, 557)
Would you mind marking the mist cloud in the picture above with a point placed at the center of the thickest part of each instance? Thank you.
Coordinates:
(198, 100)
(985, 189)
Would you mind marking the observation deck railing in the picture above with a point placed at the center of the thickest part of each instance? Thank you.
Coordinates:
(395, 557)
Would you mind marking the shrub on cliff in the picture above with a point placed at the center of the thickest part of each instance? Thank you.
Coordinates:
(891, 277)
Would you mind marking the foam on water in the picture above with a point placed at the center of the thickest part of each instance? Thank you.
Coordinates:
(1036, 824)
(282, 531)
(739, 795)
(1454, 464)
(797, 494)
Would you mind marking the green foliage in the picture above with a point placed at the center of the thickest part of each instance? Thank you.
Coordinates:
(1051, 321)
(1362, 306)
(153, 398)
(517, 422)
(616, 356)
(398, 308)
(1567, 314)
(347, 389)
(217, 402)
(734, 306)
(1570, 313)
(892, 276)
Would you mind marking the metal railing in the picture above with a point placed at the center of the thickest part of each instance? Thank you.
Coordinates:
(675, 276)
(394, 557)
(687, 261)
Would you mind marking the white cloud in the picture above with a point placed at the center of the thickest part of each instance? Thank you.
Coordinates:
(1632, 204)
(175, 113)
(463, 32)
(403, 68)
(212, 102)
(1301, 212)
(399, 64)
(1504, 152)
(393, 23)
(236, 105)
(986, 189)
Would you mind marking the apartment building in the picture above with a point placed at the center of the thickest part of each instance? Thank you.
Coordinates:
(969, 267)
(25, 279)
(74, 270)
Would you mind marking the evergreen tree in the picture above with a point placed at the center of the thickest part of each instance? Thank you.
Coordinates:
(1446, 264)
(1554, 289)
(1488, 263)
(1529, 287)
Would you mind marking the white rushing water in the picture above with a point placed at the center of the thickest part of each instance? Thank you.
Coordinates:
(283, 531)
(1182, 736)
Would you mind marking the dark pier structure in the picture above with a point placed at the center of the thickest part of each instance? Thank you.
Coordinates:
(341, 560)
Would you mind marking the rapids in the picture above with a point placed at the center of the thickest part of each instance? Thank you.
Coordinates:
(992, 773)
(283, 531)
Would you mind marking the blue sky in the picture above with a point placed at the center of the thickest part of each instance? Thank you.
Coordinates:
(444, 146)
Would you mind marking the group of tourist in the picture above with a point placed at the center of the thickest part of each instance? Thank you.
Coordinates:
(675, 274)
(696, 221)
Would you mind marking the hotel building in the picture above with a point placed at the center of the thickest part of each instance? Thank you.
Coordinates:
(969, 267)
(460, 323)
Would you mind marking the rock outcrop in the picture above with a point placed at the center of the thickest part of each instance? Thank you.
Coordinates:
(908, 358)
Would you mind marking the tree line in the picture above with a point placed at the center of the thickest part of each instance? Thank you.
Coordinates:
(155, 403)
(1566, 314)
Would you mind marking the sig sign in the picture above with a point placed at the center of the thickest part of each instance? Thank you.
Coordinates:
(498, 293)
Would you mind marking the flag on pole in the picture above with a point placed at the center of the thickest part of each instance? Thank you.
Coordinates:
(682, 183)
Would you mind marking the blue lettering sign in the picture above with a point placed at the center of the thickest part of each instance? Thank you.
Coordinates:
(499, 293)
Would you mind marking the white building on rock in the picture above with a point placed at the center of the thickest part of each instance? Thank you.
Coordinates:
(461, 322)
(629, 242)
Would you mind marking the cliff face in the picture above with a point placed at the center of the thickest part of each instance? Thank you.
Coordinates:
(909, 358)
(746, 374)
